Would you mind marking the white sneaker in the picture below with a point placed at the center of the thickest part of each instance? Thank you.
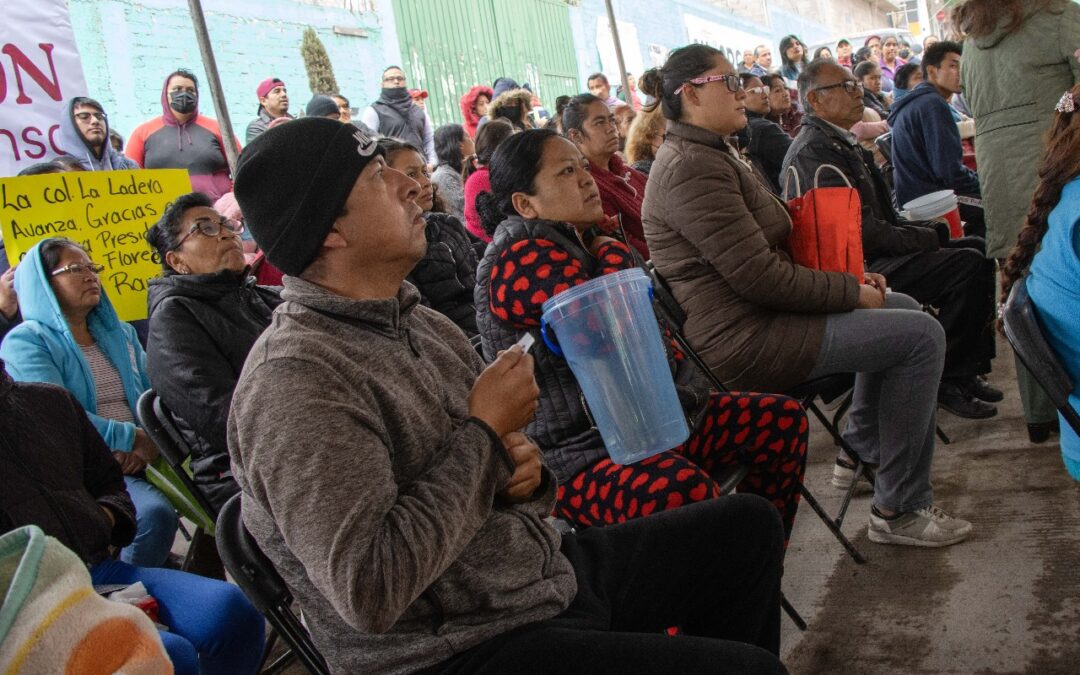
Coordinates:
(929, 527)
(843, 473)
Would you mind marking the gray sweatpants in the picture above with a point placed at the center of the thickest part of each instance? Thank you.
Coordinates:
(898, 353)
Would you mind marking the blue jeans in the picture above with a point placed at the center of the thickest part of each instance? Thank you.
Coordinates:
(212, 626)
(156, 525)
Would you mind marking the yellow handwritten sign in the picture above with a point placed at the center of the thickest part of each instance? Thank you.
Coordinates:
(107, 212)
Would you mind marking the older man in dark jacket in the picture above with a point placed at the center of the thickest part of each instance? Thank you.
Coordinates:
(951, 278)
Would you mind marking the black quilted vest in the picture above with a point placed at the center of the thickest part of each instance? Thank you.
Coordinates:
(562, 427)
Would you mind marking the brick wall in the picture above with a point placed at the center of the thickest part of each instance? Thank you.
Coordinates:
(128, 46)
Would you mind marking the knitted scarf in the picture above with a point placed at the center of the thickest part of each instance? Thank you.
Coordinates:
(622, 190)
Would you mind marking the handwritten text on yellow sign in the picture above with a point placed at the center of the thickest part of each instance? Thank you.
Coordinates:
(107, 212)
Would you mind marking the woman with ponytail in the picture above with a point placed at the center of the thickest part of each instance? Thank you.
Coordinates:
(542, 210)
(764, 323)
(1053, 272)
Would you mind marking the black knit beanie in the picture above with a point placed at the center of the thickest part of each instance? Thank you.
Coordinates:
(292, 182)
(322, 106)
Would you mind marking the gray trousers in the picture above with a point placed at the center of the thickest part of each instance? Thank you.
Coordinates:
(897, 353)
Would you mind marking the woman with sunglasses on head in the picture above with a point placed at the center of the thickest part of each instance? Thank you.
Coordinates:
(205, 314)
(764, 141)
(542, 212)
(71, 336)
(763, 323)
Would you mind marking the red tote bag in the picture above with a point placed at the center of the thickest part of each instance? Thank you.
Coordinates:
(826, 225)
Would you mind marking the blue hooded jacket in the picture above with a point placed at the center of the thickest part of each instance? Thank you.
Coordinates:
(926, 150)
(1054, 285)
(42, 349)
(75, 145)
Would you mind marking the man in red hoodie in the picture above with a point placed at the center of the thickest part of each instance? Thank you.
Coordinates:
(181, 138)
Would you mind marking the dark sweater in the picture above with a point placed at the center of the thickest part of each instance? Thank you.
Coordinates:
(58, 473)
(374, 493)
(926, 149)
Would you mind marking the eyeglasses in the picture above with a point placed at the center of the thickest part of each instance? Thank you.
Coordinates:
(850, 86)
(211, 228)
(79, 269)
(733, 82)
(760, 91)
(85, 116)
(394, 78)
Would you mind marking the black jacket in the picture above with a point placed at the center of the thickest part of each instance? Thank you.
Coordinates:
(876, 102)
(446, 275)
(888, 242)
(767, 144)
(201, 329)
(57, 472)
(562, 426)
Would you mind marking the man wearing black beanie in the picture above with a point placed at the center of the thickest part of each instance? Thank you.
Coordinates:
(383, 469)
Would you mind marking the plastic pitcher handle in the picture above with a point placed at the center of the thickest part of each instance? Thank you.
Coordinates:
(547, 339)
(817, 174)
(792, 171)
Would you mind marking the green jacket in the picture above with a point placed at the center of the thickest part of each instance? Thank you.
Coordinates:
(1011, 85)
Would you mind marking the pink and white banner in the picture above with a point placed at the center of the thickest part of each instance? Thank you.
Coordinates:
(39, 71)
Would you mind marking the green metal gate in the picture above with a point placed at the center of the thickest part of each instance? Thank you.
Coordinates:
(450, 45)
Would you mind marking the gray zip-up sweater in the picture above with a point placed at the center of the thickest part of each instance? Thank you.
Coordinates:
(374, 493)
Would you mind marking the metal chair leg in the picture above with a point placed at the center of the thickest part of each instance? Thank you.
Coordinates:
(792, 613)
(848, 546)
(941, 434)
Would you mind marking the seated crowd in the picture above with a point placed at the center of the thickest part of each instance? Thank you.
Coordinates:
(399, 457)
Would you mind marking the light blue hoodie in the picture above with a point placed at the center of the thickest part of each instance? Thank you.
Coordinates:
(1054, 285)
(75, 145)
(42, 349)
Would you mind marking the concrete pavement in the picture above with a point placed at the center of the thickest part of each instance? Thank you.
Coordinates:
(1005, 601)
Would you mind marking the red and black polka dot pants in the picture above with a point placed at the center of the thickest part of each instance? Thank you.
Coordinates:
(764, 431)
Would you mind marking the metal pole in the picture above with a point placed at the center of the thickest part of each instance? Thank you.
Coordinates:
(216, 92)
(618, 52)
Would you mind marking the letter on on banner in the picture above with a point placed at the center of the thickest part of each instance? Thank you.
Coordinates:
(39, 71)
(107, 212)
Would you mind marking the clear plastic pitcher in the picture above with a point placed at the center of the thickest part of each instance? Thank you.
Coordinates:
(607, 332)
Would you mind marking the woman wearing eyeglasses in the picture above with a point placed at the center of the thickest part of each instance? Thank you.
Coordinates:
(70, 336)
(205, 314)
(763, 323)
(764, 141)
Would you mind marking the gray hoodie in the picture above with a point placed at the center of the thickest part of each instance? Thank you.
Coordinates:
(374, 493)
(75, 145)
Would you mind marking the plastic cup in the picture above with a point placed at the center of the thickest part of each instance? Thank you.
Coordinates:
(607, 331)
(941, 204)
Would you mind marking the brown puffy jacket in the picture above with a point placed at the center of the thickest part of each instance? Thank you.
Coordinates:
(716, 234)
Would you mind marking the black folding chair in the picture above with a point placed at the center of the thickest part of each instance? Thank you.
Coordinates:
(676, 317)
(264, 587)
(1025, 333)
(158, 423)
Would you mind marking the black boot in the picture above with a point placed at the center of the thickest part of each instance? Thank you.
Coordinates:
(954, 397)
(981, 389)
(1040, 431)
